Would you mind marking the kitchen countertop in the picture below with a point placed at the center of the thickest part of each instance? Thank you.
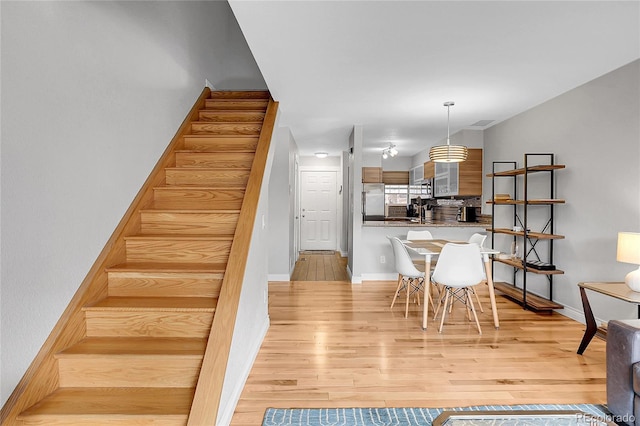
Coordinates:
(432, 223)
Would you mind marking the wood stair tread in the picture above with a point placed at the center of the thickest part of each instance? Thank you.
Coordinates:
(155, 303)
(178, 210)
(183, 206)
(130, 401)
(216, 169)
(201, 187)
(206, 122)
(198, 151)
(238, 94)
(208, 136)
(168, 267)
(136, 346)
(175, 237)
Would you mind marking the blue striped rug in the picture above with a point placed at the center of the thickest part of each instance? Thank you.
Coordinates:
(397, 416)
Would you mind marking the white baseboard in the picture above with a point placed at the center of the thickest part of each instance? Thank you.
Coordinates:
(279, 277)
(355, 279)
(384, 276)
(226, 413)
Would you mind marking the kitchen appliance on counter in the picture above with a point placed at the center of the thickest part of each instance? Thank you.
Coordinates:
(372, 201)
(467, 214)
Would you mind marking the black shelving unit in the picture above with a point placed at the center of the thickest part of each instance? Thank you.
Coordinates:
(526, 238)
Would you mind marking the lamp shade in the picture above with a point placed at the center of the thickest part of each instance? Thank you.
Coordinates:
(629, 252)
(629, 247)
(448, 153)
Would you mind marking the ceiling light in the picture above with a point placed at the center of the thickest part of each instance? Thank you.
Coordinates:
(448, 153)
(322, 154)
(391, 151)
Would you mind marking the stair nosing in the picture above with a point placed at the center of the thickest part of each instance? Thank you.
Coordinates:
(235, 169)
(227, 122)
(216, 151)
(134, 308)
(201, 187)
(146, 267)
(212, 211)
(177, 237)
(201, 135)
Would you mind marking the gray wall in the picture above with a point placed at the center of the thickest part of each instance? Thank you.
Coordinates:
(92, 93)
(281, 207)
(593, 130)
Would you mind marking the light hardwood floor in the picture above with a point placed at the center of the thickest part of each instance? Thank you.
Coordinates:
(320, 266)
(333, 344)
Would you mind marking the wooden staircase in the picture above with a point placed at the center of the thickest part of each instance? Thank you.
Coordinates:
(145, 323)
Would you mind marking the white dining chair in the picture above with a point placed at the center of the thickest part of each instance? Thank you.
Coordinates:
(459, 268)
(413, 235)
(479, 240)
(409, 277)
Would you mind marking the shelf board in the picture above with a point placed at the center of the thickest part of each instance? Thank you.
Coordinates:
(532, 169)
(534, 301)
(537, 235)
(518, 264)
(541, 201)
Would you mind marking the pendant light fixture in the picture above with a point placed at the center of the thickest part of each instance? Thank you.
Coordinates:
(448, 153)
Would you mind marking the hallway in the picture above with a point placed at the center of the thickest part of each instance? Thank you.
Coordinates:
(320, 265)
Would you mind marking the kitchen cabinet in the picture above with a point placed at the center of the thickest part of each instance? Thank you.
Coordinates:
(372, 175)
(528, 256)
(451, 179)
(429, 170)
(416, 175)
(395, 178)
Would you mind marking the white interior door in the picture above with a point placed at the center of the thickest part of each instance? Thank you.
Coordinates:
(318, 210)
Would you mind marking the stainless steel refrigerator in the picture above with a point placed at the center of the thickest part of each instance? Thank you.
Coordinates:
(373, 201)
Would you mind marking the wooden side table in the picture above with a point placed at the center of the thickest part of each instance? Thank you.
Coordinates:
(617, 290)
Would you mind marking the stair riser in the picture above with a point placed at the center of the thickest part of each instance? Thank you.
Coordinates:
(103, 420)
(207, 177)
(237, 160)
(218, 104)
(241, 95)
(208, 199)
(222, 117)
(221, 143)
(127, 284)
(226, 128)
(188, 223)
(188, 251)
(129, 371)
(110, 323)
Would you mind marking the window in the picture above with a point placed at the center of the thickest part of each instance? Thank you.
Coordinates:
(396, 194)
(402, 194)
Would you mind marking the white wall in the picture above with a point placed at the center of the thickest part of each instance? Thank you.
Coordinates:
(92, 93)
(594, 130)
(252, 321)
(355, 244)
(281, 197)
(396, 164)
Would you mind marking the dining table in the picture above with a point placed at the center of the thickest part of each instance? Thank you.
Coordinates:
(432, 248)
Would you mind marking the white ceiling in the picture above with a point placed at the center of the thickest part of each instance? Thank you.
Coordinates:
(390, 65)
